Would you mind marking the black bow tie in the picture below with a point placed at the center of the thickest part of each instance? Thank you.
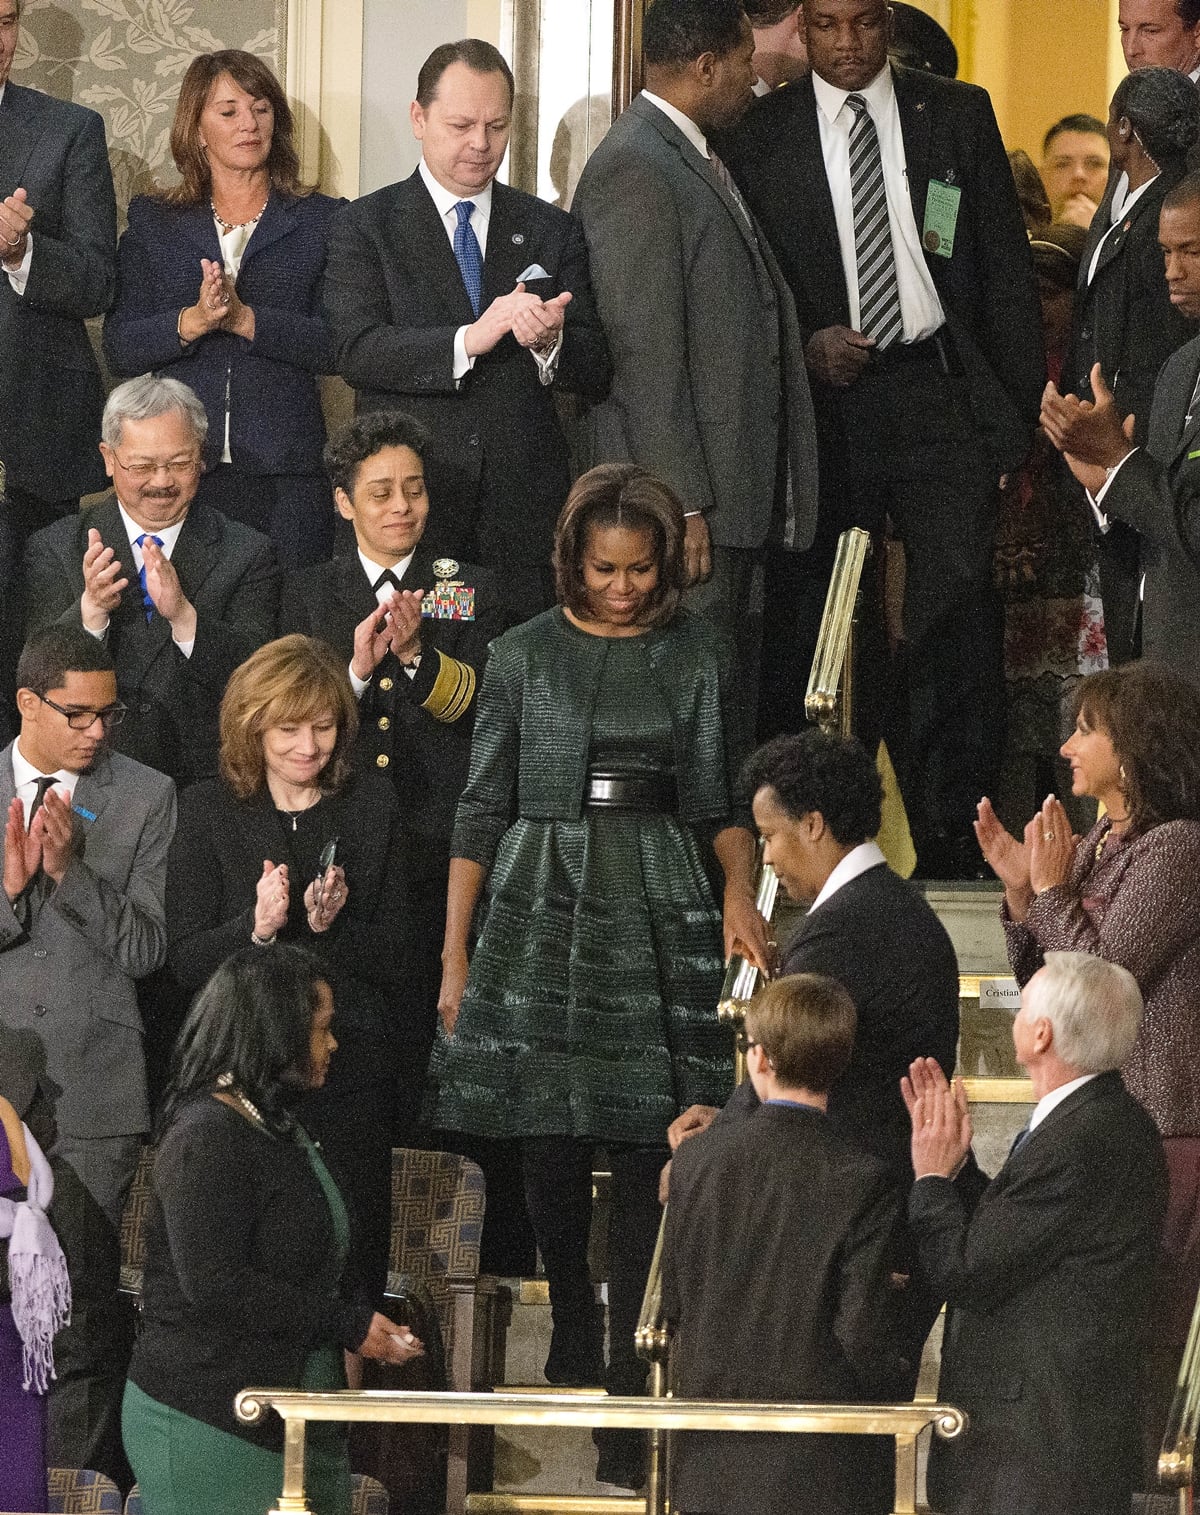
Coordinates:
(389, 578)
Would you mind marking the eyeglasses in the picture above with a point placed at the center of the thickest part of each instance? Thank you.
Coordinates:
(83, 720)
(750, 1044)
(176, 467)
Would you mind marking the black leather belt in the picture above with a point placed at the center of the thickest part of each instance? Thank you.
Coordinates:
(653, 793)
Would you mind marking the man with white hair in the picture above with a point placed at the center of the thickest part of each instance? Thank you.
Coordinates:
(1047, 1270)
(180, 593)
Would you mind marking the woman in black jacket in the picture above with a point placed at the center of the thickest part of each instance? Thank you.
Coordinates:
(290, 845)
(247, 1242)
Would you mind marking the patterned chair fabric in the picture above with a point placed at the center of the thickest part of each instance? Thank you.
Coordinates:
(79, 1491)
(366, 1498)
(437, 1225)
(133, 1226)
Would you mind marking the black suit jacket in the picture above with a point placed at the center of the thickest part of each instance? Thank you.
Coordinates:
(879, 938)
(779, 1240)
(1046, 1273)
(229, 574)
(1124, 319)
(1157, 491)
(424, 754)
(50, 390)
(987, 287)
(498, 464)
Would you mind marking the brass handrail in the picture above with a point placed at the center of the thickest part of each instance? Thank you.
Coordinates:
(1176, 1459)
(741, 975)
(830, 697)
(905, 1422)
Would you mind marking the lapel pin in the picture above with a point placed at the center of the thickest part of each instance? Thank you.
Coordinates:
(518, 239)
(920, 105)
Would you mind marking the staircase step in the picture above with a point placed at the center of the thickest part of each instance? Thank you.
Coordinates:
(554, 1504)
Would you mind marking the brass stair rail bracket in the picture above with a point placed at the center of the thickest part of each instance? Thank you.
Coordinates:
(1177, 1457)
(741, 976)
(829, 702)
(905, 1422)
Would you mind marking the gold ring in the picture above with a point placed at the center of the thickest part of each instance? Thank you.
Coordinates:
(1047, 836)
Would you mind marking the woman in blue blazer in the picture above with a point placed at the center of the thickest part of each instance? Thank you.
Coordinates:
(220, 285)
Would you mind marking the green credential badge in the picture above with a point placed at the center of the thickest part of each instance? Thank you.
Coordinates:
(941, 218)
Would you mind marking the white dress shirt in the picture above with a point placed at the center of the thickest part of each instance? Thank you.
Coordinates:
(25, 777)
(383, 592)
(857, 861)
(18, 277)
(920, 306)
(233, 245)
(168, 536)
(1055, 1098)
(685, 123)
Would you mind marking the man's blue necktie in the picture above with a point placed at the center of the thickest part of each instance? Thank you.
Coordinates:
(468, 254)
(146, 600)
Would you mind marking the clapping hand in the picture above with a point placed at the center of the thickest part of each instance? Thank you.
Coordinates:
(53, 826)
(102, 583)
(16, 218)
(166, 592)
(22, 853)
(539, 325)
(1090, 434)
(325, 896)
(271, 900)
(1051, 844)
(941, 1122)
(1007, 857)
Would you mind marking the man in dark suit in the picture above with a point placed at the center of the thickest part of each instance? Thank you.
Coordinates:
(471, 301)
(58, 238)
(81, 920)
(817, 805)
(1047, 1270)
(780, 1196)
(1155, 488)
(181, 594)
(888, 199)
(414, 628)
(709, 388)
(1124, 317)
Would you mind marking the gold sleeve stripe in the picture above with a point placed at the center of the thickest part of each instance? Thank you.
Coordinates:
(453, 690)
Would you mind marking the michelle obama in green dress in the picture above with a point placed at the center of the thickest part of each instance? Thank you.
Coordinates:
(602, 800)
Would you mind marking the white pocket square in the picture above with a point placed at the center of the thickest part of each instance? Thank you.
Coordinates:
(534, 271)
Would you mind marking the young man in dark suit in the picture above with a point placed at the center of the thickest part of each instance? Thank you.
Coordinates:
(180, 593)
(1155, 488)
(1047, 1270)
(888, 199)
(780, 1195)
(414, 628)
(468, 303)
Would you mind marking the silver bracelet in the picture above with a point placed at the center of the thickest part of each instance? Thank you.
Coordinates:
(262, 941)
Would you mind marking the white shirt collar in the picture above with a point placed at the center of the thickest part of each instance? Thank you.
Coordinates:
(1055, 1098)
(858, 860)
(373, 570)
(445, 199)
(1124, 200)
(3, 87)
(25, 774)
(685, 123)
(878, 94)
(167, 535)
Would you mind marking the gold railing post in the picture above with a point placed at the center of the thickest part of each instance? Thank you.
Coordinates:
(652, 1340)
(906, 1476)
(828, 702)
(293, 1500)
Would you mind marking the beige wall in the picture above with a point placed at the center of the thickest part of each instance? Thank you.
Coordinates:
(1038, 59)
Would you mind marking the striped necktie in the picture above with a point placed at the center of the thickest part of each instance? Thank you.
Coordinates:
(878, 292)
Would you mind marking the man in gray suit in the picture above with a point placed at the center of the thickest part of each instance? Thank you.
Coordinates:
(709, 387)
(81, 920)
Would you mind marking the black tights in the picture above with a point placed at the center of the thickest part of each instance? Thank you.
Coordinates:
(558, 1193)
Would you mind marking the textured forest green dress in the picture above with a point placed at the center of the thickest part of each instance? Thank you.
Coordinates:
(591, 1004)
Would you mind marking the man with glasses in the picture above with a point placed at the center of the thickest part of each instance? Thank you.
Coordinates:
(82, 918)
(180, 593)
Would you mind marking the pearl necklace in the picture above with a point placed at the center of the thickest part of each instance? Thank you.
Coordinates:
(238, 225)
(227, 1086)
